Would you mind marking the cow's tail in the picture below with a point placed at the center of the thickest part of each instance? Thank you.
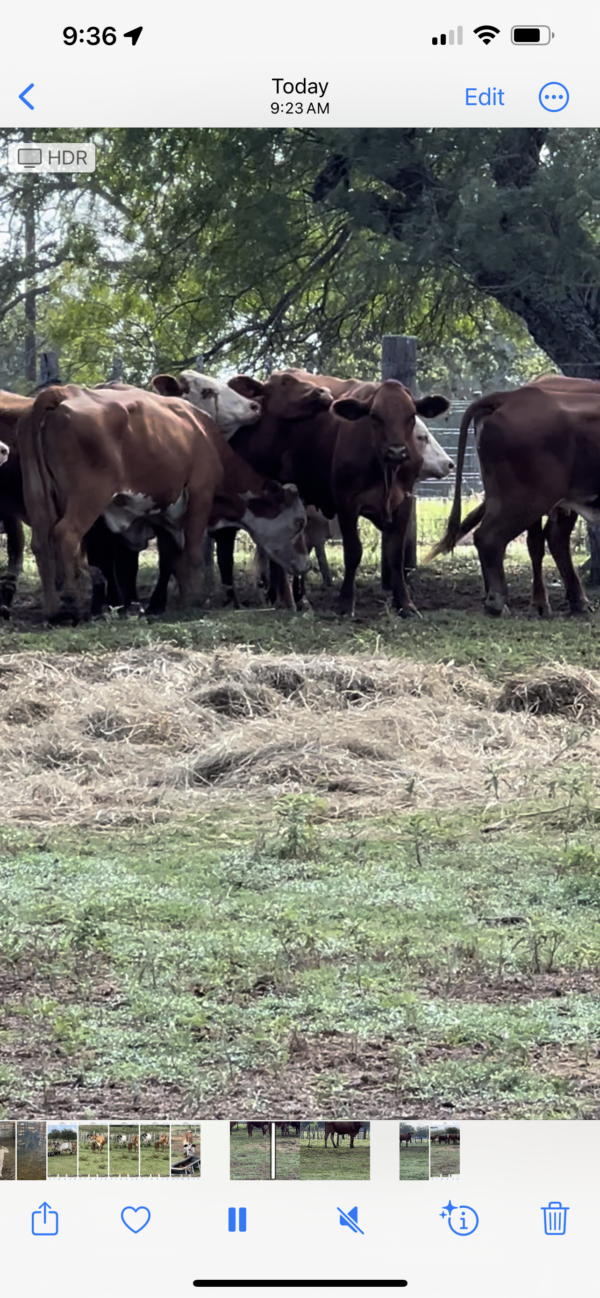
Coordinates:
(42, 506)
(43, 509)
(454, 530)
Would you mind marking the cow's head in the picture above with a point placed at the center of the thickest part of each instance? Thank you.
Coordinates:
(436, 464)
(276, 520)
(4, 453)
(283, 396)
(392, 414)
(229, 409)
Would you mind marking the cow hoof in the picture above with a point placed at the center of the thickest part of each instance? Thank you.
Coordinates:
(4, 612)
(579, 610)
(540, 610)
(409, 611)
(495, 605)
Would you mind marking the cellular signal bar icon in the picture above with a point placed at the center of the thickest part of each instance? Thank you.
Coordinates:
(449, 39)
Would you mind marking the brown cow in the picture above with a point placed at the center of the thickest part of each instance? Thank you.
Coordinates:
(142, 461)
(262, 1126)
(539, 449)
(350, 1129)
(360, 457)
(406, 1136)
(12, 507)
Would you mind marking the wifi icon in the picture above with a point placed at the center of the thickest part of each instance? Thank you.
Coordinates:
(486, 33)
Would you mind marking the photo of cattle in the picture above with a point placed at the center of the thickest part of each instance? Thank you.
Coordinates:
(185, 1149)
(155, 1150)
(299, 601)
(31, 1151)
(414, 1151)
(93, 1149)
(445, 1151)
(123, 1149)
(335, 1151)
(7, 1151)
(287, 1151)
(62, 1149)
(250, 1151)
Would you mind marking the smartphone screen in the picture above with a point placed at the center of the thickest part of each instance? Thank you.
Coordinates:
(299, 655)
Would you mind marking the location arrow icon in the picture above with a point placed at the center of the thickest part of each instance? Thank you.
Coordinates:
(134, 34)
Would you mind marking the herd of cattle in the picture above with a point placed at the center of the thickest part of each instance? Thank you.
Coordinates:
(439, 1137)
(332, 1129)
(97, 473)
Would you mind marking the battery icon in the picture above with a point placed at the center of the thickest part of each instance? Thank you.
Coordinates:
(531, 36)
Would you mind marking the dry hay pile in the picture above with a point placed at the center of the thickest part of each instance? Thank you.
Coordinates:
(572, 693)
(156, 732)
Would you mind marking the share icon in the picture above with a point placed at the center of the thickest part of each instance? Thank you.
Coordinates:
(350, 1219)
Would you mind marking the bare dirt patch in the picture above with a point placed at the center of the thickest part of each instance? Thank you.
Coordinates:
(145, 734)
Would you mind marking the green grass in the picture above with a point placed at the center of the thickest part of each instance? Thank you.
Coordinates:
(445, 1160)
(249, 1157)
(341, 1164)
(414, 1161)
(189, 954)
(288, 1158)
(155, 1162)
(123, 1162)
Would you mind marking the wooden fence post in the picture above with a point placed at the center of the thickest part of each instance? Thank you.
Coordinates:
(399, 361)
(48, 369)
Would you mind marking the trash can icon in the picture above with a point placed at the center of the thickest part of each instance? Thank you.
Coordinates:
(555, 1219)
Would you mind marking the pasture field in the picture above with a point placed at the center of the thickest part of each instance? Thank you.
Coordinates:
(287, 1158)
(341, 1164)
(253, 862)
(445, 1160)
(414, 1161)
(156, 1162)
(249, 1157)
(92, 1163)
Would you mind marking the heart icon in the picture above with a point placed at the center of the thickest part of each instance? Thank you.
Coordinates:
(130, 1219)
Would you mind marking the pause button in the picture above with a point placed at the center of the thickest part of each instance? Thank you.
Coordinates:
(242, 1219)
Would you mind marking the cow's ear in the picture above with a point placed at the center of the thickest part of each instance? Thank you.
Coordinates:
(246, 386)
(351, 408)
(430, 407)
(167, 386)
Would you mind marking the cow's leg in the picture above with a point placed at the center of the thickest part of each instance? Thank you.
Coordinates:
(168, 553)
(348, 521)
(324, 568)
(536, 545)
(558, 534)
(491, 540)
(386, 571)
(225, 544)
(279, 591)
(394, 545)
(15, 545)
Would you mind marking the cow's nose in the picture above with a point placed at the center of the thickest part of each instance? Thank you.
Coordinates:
(451, 466)
(255, 408)
(396, 454)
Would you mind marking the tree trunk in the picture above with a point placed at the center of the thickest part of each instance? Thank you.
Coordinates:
(30, 297)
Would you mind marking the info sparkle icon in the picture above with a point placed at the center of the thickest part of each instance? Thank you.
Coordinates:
(466, 1220)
